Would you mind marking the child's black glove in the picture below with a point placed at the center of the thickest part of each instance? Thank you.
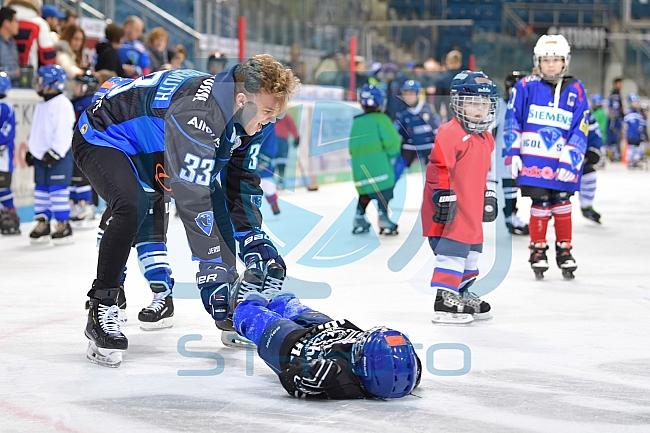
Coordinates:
(51, 158)
(445, 201)
(490, 206)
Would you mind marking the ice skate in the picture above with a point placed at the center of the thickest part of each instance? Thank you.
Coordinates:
(83, 216)
(9, 223)
(63, 234)
(361, 224)
(158, 314)
(107, 343)
(538, 260)
(451, 309)
(230, 337)
(589, 213)
(41, 233)
(516, 226)
(565, 260)
(275, 208)
(481, 308)
(273, 279)
(386, 226)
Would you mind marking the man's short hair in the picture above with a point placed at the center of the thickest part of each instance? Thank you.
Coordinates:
(114, 33)
(263, 74)
(6, 14)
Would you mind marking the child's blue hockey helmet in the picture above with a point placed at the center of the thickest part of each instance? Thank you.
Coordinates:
(633, 97)
(412, 85)
(371, 96)
(597, 99)
(52, 76)
(5, 83)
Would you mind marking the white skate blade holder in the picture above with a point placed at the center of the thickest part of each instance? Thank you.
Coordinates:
(444, 318)
(234, 340)
(482, 316)
(105, 357)
(63, 241)
(156, 326)
(39, 241)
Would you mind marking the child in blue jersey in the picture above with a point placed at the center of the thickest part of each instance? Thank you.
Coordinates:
(267, 154)
(635, 131)
(418, 124)
(615, 113)
(81, 193)
(589, 174)
(9, 221)
(547, 122)
(49, 151)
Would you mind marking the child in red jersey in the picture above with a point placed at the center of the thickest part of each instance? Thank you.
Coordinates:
(456, 201)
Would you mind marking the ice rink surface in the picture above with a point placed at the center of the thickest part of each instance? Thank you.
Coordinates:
(558, 356)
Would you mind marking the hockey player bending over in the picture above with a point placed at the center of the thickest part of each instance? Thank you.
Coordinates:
(456, 201)
(171, 133)
(315, 356)
(548, 120)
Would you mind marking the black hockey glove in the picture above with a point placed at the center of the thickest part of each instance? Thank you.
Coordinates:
(256, 246)
(51, 158)
(296, 142)
(316, 377)
(29, 159)
(490, 206)
(214, 281)
(445, 201)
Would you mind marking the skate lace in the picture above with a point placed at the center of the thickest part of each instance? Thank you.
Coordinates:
(272, 285)
(158, 302)
(245, 287)
(108, 319)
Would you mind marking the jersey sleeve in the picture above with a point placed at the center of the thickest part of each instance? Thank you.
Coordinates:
(46, 52)
(187, 175)
(390, 138)
(62, 135)
(514, 120)
(572, 155)
(7, 124)
(343, 385)
(442, 160)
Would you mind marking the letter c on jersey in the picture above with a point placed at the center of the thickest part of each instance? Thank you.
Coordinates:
(160, 174)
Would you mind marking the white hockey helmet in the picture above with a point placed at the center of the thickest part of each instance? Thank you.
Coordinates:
(552, 46)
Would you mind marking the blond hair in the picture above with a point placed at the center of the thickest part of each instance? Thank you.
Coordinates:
(263, 74)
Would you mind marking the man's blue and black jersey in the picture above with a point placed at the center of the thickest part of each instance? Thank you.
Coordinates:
(177, 128)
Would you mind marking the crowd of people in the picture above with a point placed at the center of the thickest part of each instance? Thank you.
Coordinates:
(93, 132)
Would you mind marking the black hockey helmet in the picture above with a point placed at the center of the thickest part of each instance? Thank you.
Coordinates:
(513, 77)
(89, 82)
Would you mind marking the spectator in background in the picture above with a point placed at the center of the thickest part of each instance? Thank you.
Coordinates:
(132, 52)
(107, 58)
(284, 127)
(156, 45)
(34, 41)
(360, 71)
(216, 63)
(69, 51)
(8, 49)
(178, 59)
(69, 20)
(325, 72)
(52, 17)
(453, 63)
(294, 63)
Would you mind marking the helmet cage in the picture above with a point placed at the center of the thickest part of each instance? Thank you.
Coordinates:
(470, 124)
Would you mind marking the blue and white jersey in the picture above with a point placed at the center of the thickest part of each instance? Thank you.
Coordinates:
(595, 137)
(7, 137)
(417, 125)
(635, 126)
(134, 53)
(547, 127)
(177, 129)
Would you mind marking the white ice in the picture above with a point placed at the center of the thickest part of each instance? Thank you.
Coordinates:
(559, 356)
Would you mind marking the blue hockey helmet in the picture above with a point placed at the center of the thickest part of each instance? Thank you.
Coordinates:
(412, 85)
(110, 84)
(5, 83)
(371, 96)
(597, 99)
(386, 363)
(52, 76)
(477, 90)
(633, 97)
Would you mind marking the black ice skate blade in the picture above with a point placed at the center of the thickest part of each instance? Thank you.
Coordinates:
(539, 274)
(568, 274)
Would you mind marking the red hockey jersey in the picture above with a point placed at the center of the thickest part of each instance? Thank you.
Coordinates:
(458, 161)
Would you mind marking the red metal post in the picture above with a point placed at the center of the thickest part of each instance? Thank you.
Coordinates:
(353, 68)
(241, 34)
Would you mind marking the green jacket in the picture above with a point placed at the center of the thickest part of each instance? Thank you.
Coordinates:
(601, 117)
(374, 142)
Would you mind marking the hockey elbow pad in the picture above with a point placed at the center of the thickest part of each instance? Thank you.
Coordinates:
(445, 202)
(490, 206)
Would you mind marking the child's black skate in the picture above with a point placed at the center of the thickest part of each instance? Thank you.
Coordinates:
(121, 303)
(589, 213)
(481, 308)
(158, 314)
(386, 226)
(361, 224)
(538, 260)
(451, 309)
(63, 233)
(516, 226)
(9, 223)
(565, 260)
(107, 343)
(41, 233)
